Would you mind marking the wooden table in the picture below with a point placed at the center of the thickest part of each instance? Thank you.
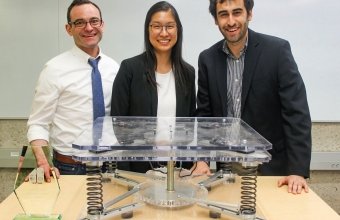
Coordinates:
(273, 203)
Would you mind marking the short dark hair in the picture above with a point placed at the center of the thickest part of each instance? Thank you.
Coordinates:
(80, 2)
(249, 4)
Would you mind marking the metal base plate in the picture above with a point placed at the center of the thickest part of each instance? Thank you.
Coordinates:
(156, 193)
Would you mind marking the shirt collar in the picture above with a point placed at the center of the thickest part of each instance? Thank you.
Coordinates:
(227, 51)
(84, 56)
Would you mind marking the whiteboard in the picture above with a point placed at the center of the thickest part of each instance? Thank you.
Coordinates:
(33, 33)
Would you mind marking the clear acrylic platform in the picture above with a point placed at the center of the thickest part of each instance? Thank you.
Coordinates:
(172, 139)
(164, 139)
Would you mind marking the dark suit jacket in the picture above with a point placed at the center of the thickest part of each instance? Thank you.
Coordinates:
(274, 99)
(133, 95)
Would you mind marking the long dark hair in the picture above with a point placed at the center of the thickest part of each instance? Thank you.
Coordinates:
(179, 66)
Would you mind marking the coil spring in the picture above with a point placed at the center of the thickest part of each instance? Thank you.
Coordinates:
(248, 190)
(110, 166)
(94, 190)
(226, 167)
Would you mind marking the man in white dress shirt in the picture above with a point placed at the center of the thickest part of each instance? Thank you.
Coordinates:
(62, 105)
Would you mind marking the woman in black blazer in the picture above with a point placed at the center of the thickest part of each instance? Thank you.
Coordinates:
(157, 82)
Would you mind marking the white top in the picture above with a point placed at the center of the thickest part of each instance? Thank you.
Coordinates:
(62, 104)
(166, 92)
(166, 109)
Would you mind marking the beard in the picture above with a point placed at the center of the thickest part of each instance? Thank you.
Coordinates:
(235, 38)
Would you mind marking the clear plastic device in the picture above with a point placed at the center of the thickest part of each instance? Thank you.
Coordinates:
(172, 139)
(193, 137)
(36, 197)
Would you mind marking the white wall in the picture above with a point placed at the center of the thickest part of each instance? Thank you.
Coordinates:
(32, 32)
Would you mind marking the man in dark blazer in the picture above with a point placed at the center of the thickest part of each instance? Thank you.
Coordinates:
(254, 77)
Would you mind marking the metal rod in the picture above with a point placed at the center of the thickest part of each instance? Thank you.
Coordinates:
(170, 176)
(121, 197)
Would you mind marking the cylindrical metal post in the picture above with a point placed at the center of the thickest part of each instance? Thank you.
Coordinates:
(170, 176)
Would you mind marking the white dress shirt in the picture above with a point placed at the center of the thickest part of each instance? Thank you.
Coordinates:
(62, 105)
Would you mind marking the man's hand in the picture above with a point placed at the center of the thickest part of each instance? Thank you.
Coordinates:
(201, 168)
(37, 148)
(295, 184)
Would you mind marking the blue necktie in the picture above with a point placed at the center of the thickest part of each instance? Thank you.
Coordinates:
(97, 90)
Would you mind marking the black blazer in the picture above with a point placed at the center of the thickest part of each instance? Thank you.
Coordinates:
(133, 95)
(273, 101)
